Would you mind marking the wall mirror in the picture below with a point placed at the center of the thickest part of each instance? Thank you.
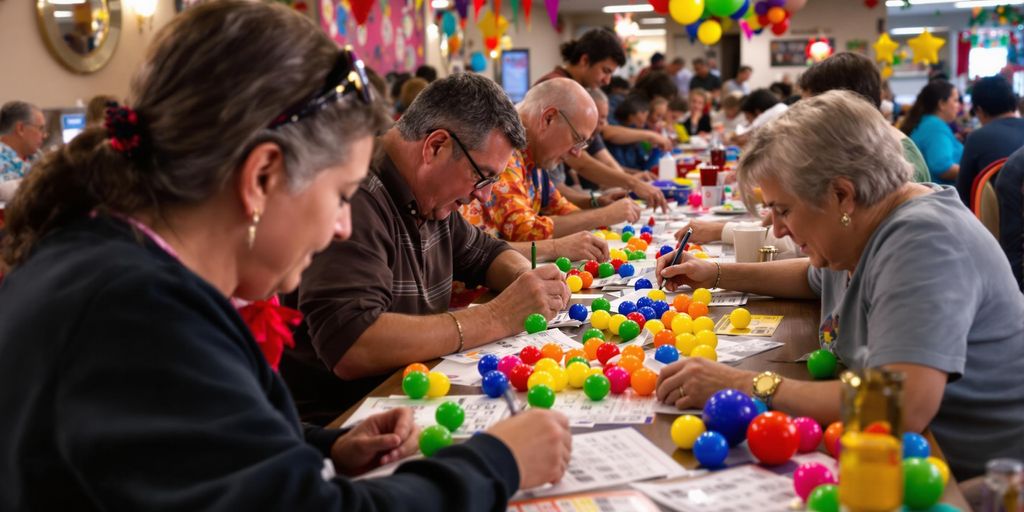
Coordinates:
(81, 34)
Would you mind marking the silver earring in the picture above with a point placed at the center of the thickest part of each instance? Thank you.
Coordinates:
(252, 228)
(844, 219)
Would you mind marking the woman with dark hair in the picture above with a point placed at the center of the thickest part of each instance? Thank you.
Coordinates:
(927, 125)
(759, 107)
(139, 385)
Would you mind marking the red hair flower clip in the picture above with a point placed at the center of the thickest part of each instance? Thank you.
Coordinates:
(123, 130)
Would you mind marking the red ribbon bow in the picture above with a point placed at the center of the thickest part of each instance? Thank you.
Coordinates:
(271, 325)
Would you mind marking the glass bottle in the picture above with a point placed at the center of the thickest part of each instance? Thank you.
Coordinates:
(1004, 479)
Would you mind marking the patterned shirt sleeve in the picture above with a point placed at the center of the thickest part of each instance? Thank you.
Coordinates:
(557, 203)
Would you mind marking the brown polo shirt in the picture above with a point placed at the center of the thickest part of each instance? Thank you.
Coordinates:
(394, 262)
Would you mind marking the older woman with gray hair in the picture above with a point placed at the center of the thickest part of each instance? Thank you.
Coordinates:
(908, 280)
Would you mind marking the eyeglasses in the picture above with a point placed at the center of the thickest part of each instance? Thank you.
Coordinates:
(581, 142)
(484, 181)
(347, 77)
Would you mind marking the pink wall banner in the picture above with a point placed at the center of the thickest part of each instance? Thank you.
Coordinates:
(391, 39)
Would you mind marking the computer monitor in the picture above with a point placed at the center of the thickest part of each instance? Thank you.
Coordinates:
(71, 125)
(515, 73)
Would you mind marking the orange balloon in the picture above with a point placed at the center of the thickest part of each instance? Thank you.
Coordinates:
(415, 367)
(681, 303)
(832, 435)
(697, 309)
(776, 15)
(575, 352)
(630, 364)
(665, 337)
(668, 316)
(587, 278)
(590, 348)
(552, 351)
(635, 351)
(643, 381)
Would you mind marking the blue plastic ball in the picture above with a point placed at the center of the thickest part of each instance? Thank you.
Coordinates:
(915, 445)
(578, 312)
(665, 249)
(660, 307)
(648, 312)
(644, 302)
(495, 383)
(711, 449)
(626, 270)
(666, 354)
(729, 412)
(761, 406)
(628, 229)
(646, 229)
(487, 364)
(643, 284)
(627, 307)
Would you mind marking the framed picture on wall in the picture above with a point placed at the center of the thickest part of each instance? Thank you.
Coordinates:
(791, 52)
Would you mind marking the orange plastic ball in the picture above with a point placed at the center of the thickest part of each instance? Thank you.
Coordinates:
(668, 316)
(635, 351)
(575, 352)
(551, 351)
(832, 435)
(681, 302)
(630, 364)
(697, 309)
(643, 381)
(666, 337)
(587, 278)
(415, 367)
(590, 348)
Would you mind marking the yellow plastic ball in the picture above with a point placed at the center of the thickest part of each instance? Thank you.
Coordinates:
(685, 343)
(703, 324)
(655, 326)
(574, 283)
(656, 295)
(942, 467)
(702, 295)
(599, 319)
(685, 430)
(740, 318)
(701, 255)
(705, 352)
(439, 384)
(610, 235)
(615, 322)
(559, 379)
(682, 324)
(597, 370)
(618, 254)
(576, 373)
(708, 338)
(540, 378)
(545, 364)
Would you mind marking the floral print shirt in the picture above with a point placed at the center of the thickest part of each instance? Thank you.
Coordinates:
(12, 167)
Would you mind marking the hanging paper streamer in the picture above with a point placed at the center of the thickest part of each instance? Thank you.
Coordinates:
(527, 7)
(515, 12)
(462, 7)
(477, 5)
(552, 7)
(747, 31)
(361, 10)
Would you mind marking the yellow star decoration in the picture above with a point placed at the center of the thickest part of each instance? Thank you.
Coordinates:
(926, 48)
(884, 48)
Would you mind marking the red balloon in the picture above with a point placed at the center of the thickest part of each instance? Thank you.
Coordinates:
(492, 42)
(773, 438)
(762, 19)
(660, 6)
(780, 27)
(520, 375)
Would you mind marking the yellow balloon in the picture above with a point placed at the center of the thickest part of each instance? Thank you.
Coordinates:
(709, 32)
(491, 25)
(685, 12)
(885, 48)
(926, 48)
(886, 72)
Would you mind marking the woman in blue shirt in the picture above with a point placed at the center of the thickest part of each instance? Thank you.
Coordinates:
(927, 125)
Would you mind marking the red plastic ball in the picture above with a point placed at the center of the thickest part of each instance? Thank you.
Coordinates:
(573, 272)
(616, 263)
(646, 237)
(638, 318)
(530, 354)
(520, 375)
(607, 351)
(773, 438)
(832, 435)
(619, 379)
(591, 266)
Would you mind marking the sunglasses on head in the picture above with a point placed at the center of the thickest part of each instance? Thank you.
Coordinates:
(347, 78)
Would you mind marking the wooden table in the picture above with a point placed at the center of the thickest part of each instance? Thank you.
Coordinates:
(798, 332)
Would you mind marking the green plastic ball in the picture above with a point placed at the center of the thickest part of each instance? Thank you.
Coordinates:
(601, 303)
(640, 255)
(416, 384)
(634, 255)
(593, 332)
(824, 498)
(605, 270)
(626, 236)
(629, 330)
(540, 396)
(563, 264)
(922, 483)
(433, 438)
(596, 387)
(451, 415)
(577, 359)
(822, 364)
(535, 323)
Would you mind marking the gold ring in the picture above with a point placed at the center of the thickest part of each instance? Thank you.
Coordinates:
(680, 391)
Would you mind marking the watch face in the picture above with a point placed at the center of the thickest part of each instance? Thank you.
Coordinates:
(764, 384)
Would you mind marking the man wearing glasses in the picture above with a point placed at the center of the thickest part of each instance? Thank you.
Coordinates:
(558, 115)
(379, 301)
(22, 132)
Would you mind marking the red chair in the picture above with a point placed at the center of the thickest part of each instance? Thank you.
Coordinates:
(984, 202)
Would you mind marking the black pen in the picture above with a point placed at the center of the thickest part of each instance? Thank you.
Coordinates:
(510, 398)
(678, 255)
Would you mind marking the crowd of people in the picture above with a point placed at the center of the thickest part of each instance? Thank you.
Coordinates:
(128, 251)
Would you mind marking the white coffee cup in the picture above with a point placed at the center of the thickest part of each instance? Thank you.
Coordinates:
(747, 240)
(711, 196)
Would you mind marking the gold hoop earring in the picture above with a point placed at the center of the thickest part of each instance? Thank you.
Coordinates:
(252, 228)
(844, 219)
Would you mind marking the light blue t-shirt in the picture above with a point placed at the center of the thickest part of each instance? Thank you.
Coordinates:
(933, 288)
(939, 146)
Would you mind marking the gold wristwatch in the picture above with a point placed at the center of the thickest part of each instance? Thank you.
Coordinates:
(765, 385)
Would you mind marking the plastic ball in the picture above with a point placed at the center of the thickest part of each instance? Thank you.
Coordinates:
(879, 427)
(711, 449)
(922, 483)
(685, 343)
(599, 319)
(416, 384)
(704, 352)
(433, 438)
(573, 272)
(618, 379)
(575, 283)
(626, 236)
(615, 322)
(563, 264)
(646, 229)
(761, 406)
(577, 359)
(643, 381)
(559, 379)
(702, 295)
(488, 363)
(666, 354)
(697, 309)
(541, 397)
(439, 384)
(646, 237)
(535, 323)
(576, 373)
(607, 351)
(494, 384)
(703, 323)
(665, 337)
(617, 254)
(654, 325)
(605, 270)
(660, 308)
(824, 498)
(942, 467)
(578, 312)
(626, 270)
(657, 295)
(681, 302)
(773, 438)
(415, 367)
(642, 284)
(822, 364)
(590, 347)
(685, 430)
(587, 278)
(508, 363)
(629, 363)
(520, 376)
(546, 364)
(708, 338)
(636, 255)
(665, 249)
(682, 324)
(810, 434)
(600, 304)
(729, 412)
(552, 351)
(596, 387)
(451, 415)
(626, 307)
(530, 354)
(740, 318)
(809, 476)
(644, 302)
(648, 313)
(538, 378)
(628, 229)
(832, 435)
(635, 351)
(915, 445)
(593, 332)
(617, 263)
(636, 317)
(592, 267)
